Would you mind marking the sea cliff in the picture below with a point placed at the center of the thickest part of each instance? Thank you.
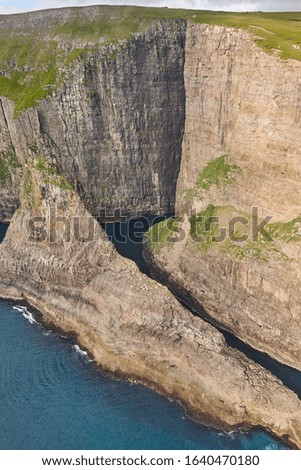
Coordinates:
(241, 166)
(131, 324)
(112, 112)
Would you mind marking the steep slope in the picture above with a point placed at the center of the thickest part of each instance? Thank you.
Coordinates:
(57, 257)
(100, 91)
(109, 114)
(10, 171)
(105, 98)
(241, 163)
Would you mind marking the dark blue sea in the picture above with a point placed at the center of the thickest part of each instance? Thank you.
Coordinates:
(53, 397)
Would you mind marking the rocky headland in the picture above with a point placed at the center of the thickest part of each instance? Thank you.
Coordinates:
(131, 324)
(240, 163)
(109, 114)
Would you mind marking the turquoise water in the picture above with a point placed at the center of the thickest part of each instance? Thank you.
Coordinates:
(53, 397)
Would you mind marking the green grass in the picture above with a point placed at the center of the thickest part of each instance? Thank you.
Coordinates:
(78, 53)
(29, 70)
(105, 27)
(278, 31)
(162, 233)
(268, 244)
(283, 30)
(289, 232)
(8, 162)
(217, 172)
(30, 63)
(202, 227)
(254, 250)
(50, 175)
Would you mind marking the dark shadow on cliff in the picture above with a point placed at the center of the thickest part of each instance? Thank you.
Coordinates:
(127, 237)
(289, 376)
(3, 230)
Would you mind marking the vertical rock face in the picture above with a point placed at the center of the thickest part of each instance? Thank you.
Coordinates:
(115, 126)
(10, 170)
(245, 104)
(122, 123)
(131, 324)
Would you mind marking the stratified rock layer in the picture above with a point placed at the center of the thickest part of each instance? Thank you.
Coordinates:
(114, 128)
(245, 104)
(130, 323)
(10, 175)
(115, 125)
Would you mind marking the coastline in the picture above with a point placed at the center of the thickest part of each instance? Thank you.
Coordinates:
(133, 326)
(195, 415)
(169, 116)
(157, 266)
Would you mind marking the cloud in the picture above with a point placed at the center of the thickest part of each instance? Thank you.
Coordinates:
(257, 5)
(226, 5)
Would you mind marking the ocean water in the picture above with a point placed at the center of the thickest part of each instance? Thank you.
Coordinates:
(3, 229)
(53, 397)
(128, 236)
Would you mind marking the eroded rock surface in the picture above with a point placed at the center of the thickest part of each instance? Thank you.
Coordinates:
(130, 323)
(114, 126)
(244, 105)
(114, 129)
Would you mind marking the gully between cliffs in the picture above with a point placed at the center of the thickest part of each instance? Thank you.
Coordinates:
(127, 238)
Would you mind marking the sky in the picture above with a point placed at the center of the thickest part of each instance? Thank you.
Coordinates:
(15, 6)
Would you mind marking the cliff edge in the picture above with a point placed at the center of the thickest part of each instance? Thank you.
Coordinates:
(57, 258)
(237, 254)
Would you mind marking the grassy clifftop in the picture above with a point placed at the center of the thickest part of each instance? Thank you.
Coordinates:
(278, 31)
(33, 44)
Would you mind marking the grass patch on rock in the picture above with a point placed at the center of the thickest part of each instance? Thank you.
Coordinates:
(50, 175)
(217, 172)
(33, 60)
(289, 232)
(162, 233)
(8, 162)
(204, 227)
(236, 234)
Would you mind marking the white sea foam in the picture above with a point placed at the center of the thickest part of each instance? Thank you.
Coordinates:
(47, 333)
(82, 353)
(26, 314)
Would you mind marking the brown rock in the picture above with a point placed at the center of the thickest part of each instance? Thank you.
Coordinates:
(130, 323)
